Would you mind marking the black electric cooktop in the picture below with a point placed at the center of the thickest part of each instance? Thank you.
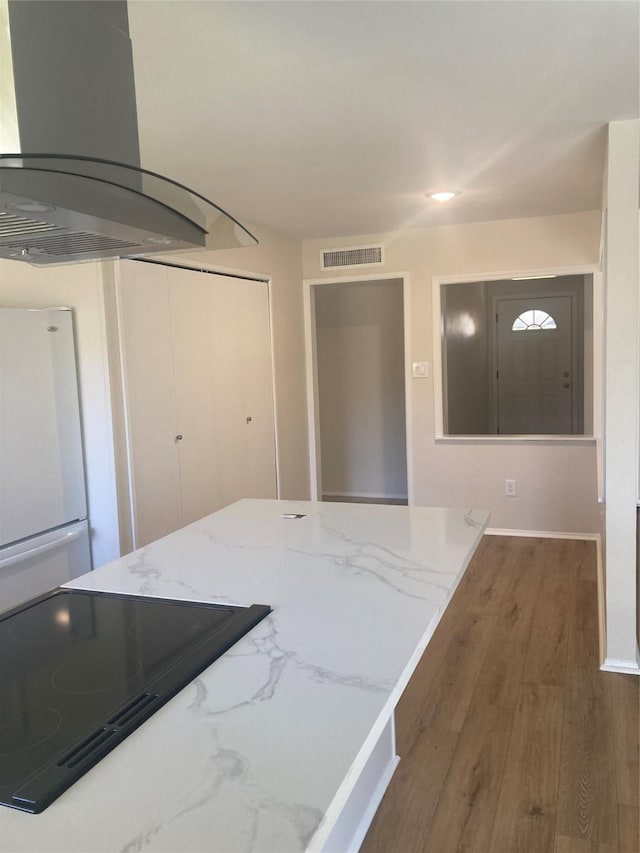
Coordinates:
(81, 670)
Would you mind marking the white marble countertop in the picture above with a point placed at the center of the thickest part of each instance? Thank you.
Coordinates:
(261, 750)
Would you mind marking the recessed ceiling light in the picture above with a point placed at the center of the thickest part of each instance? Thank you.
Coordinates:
(442, 196)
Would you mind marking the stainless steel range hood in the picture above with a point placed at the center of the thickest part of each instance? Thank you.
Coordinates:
(71, 185)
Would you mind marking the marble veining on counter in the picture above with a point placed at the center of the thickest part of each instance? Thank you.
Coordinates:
(260, 751)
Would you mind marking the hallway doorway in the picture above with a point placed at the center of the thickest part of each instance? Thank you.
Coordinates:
(357, 386)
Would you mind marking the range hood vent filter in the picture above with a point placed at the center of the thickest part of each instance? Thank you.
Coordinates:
(62, 245)
(45, 239)
(19, 226)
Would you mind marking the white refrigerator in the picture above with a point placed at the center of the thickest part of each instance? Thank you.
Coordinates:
(44, 531)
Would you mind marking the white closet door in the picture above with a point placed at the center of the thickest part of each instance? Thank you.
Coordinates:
(228, 388)
(194, 328)
(244, 390)
(196, 364)
(148, 367)
(258, 389)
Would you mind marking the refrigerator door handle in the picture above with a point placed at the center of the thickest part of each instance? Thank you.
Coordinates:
(41, 549)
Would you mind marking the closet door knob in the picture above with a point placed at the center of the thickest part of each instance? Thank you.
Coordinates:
(178, 437)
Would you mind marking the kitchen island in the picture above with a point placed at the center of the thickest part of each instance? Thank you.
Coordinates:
(286, 742)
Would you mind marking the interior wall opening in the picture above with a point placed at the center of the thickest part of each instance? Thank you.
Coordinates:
(517, 356)
(359, 329)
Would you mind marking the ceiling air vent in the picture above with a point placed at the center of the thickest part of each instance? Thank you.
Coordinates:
(351, 256)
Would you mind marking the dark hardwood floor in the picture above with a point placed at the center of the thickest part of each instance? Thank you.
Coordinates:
(511, 738)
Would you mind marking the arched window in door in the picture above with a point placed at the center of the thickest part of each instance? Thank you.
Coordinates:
(533, 320)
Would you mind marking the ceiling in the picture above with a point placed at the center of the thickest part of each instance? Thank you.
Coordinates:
(323, 119)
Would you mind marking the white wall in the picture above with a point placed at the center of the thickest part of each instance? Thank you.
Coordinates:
(557, 488)
(360, 354)
(79, 287)
(622, 391)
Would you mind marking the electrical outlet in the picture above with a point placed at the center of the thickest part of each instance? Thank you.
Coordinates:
(510, 488)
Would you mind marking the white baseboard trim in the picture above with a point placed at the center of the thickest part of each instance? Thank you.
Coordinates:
(370, 495)
(629, 667)
(541, 534)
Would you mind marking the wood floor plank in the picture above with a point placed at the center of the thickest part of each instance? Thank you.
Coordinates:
(583, 558)
(583, 642)
(442, 702)
(587, 798)
(501, 670)
(486, 580)
(405, 814)
(629, 829)
(526, 814)
(625, 705)
(410, 706)
(448, 700)
(485, 583)
(546, 661)
(464, 817)
(575, 845)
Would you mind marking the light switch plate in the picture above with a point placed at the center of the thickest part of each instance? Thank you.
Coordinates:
(421, 369)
